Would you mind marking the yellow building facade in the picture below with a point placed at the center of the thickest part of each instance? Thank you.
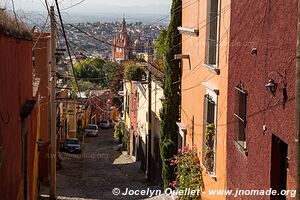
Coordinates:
(126, 114)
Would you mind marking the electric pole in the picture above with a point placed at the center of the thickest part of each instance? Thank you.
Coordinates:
(53, 109)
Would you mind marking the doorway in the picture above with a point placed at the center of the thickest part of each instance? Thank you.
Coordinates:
(278, 167)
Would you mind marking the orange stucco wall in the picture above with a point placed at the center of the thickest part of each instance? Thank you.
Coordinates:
(194, 72)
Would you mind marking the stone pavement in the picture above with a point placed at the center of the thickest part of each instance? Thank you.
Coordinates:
(98, 170)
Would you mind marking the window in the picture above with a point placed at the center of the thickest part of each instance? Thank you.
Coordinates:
(181, 135)
(212, 32)
(209, 134)
(240, 114)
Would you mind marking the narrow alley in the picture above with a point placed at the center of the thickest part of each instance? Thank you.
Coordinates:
(152, 99)
(100, 168)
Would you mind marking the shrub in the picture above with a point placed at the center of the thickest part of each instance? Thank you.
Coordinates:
(188, 172)
(117, 132)
(170, 112)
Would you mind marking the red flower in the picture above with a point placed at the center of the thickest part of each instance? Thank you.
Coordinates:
(173, 184)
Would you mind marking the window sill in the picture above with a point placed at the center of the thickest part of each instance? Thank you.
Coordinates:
(212, 68)
(212, 175)
(242, 148)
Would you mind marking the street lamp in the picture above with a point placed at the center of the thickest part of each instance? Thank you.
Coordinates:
(271, 86)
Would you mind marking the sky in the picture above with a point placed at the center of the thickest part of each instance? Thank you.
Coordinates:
(157, 6)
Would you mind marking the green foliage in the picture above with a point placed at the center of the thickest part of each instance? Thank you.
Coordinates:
(109, 70)
(87, 86)
(125, 138)
(96, 71)
(161, 49)
(83, 85)
(93, 73)
(209, 147)
(189, 172)
(161, 45)
(133, 72)
(170, 110)
(90, 68)
(74, 90)
(118, 131)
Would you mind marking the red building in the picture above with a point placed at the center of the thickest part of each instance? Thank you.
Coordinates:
(17, 126)
(121, 50)
(100, 104)
(261, 148)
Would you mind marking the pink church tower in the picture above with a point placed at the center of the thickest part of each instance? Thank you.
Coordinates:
(121, 50)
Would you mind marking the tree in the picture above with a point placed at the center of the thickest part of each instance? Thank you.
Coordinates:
(170, 110)
(160, 49)
(90, 68)
(161, 45)
(133, 72)
(96, 71)
(109, 69)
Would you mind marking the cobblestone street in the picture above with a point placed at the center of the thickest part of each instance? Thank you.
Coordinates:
(99, 169)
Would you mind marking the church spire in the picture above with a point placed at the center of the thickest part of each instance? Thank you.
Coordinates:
(123, 28)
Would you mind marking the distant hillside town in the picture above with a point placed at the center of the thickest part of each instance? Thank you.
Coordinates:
(103, 34)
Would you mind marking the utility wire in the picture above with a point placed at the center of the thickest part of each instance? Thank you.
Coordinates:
(67, 44)
(103, 41)
(178, 9)
(200, 63)
(72, 5)
(226, 8)
(196, 67)
(82, 78)
(112, 45)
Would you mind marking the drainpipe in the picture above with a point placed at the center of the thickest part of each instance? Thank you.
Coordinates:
(298, 103)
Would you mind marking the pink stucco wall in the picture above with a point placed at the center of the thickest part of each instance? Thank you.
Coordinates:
(271, 27)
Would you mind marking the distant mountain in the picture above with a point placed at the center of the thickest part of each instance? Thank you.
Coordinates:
(157, 14)
(92, 8)
(156, 19)
(147, 9)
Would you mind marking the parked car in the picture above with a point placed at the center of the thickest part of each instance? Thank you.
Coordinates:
(91, 130)
(72, 145)
(104, 124)
(111, 123)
